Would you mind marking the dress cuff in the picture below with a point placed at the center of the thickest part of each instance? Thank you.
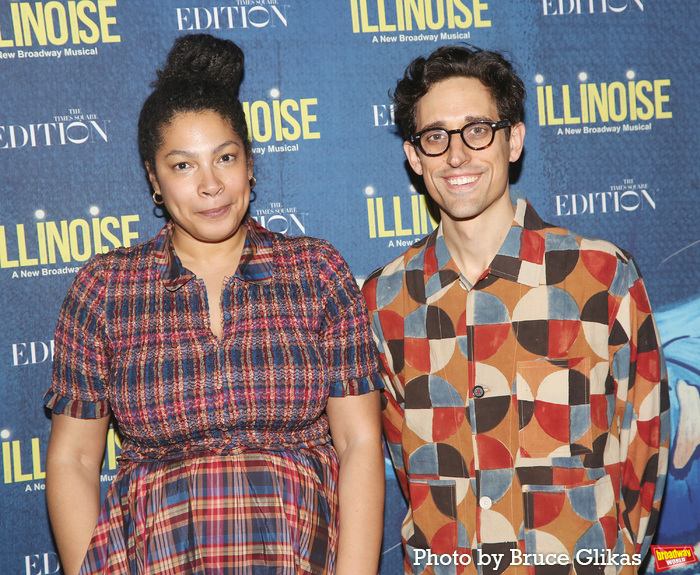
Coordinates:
(75, 407)
(358, 386)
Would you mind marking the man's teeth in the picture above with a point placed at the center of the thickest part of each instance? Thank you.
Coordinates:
(462, 180)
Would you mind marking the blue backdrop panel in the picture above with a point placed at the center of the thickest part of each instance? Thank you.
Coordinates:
(610, 151)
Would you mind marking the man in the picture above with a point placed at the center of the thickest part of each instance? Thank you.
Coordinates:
(526, 402)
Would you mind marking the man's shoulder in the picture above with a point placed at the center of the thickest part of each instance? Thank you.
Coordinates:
(558, 238)
(586, 260)
(412, 258)
(391, 277)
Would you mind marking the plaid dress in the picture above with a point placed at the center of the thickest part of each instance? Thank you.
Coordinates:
(226, 463)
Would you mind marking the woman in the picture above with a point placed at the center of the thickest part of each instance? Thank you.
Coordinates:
(229, 357)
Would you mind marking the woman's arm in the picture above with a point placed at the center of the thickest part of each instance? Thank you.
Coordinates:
(356, 430)
(73, 463)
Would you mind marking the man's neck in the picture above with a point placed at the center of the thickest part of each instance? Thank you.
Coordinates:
(474, 242)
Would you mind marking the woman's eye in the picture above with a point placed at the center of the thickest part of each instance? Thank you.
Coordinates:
(228, 158)
(181, 166)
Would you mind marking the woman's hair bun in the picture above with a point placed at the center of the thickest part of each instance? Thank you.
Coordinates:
(203, 58)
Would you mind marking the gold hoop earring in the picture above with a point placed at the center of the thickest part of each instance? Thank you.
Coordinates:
(155, 201)
(252, 182)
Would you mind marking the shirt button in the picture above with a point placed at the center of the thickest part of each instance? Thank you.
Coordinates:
(485, 503)
(478, 391)
(227, 315)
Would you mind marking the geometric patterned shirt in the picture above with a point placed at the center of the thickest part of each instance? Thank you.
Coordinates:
(527, 416)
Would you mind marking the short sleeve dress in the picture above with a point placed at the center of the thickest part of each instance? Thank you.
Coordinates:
(226, 463)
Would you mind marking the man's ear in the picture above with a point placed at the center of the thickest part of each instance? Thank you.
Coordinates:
(413, 157)
(516, 140)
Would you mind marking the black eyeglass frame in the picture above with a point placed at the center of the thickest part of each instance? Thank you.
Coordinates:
(495, 126)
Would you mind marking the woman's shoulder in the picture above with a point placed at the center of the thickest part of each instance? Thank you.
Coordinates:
(316, 253)
(122, 259)
(298, 248)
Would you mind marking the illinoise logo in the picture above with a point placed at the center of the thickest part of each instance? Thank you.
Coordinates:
(58, 23)
(629, 101)
(23, 460)
(285, 120)
(398, 218)
(401, 219)
(372, 16)
(65, 241)
(246, 14)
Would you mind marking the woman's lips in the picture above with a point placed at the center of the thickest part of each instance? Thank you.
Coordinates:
(215, 212)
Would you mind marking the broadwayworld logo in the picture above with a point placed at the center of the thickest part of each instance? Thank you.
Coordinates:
(669, 556)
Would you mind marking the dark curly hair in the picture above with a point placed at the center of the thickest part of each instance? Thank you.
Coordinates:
(490, 68)
(202, 73)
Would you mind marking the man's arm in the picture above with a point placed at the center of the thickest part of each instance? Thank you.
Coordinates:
(392, 394)
(640, 371)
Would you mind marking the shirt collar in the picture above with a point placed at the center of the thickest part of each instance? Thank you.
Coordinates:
(520, 258)
(255, 266)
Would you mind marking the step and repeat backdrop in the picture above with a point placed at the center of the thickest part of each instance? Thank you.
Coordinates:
(611, 150)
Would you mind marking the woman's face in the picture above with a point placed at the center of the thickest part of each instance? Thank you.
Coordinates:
(202, 173)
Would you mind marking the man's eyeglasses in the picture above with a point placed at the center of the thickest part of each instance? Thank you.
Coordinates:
(476, 135)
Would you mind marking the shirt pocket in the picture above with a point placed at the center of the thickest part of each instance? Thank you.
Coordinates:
(554, 409)
(432, 519)
(577, 521)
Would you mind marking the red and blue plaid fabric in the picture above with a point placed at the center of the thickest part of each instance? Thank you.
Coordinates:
(226, 463)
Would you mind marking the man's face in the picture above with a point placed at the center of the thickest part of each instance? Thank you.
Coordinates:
(463, 182)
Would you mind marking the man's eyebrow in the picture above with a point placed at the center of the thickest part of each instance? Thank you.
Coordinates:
(466, 119)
